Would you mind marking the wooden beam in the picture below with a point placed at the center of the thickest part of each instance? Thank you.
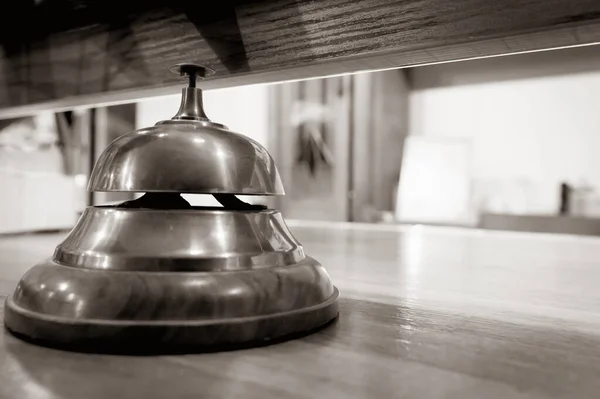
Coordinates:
(65, 53)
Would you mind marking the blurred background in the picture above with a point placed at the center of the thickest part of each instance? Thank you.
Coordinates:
(504, 143)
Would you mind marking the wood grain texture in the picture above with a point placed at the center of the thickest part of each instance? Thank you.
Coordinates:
(74, 50)
(426, 312)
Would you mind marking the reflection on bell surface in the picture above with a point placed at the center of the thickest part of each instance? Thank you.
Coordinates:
(157, 273)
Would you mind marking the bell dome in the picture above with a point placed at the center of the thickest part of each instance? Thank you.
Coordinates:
(187, 154)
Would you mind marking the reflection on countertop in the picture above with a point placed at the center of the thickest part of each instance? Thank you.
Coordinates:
(425, 312)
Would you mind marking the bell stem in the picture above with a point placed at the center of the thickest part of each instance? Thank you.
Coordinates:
(191, 107)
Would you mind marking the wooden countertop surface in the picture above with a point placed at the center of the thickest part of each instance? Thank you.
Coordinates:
(426, 313)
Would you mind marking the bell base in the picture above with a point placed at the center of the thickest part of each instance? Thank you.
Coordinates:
(162, 337)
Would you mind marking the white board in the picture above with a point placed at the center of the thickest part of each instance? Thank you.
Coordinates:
(435, 182)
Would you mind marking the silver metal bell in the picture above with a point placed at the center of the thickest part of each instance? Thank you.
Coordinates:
(156, 273)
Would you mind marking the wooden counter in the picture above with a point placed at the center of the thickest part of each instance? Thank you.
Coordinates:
(426, 313)
(59, 54)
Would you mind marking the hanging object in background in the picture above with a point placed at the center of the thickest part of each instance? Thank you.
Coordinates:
(308, 118)
(156, 274)
(66, 135)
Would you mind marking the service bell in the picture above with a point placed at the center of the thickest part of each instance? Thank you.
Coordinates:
(156, 272)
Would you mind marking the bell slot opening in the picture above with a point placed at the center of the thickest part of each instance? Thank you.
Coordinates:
(174, 201)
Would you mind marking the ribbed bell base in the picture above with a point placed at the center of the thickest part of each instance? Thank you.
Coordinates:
(159, 281)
